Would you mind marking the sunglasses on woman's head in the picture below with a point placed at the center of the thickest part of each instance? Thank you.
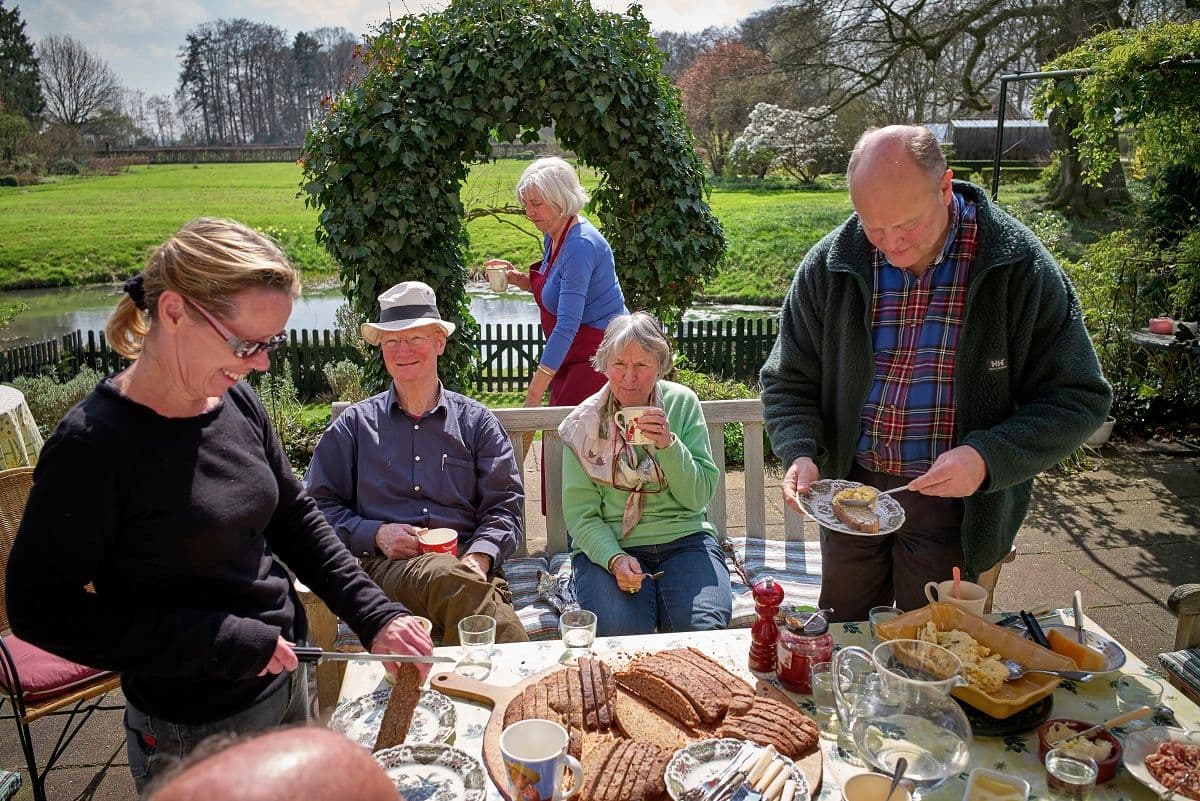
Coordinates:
(242, 348)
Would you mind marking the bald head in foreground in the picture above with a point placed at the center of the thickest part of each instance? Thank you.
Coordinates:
(930, 341)
(298, 764)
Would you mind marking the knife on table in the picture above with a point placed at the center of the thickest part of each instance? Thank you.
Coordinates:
(306, 653)
(1077, 603)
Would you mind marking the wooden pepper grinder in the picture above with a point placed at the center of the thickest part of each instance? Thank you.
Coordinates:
(768, 597)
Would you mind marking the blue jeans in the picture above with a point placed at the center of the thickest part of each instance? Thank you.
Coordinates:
(155, 744)
(692, 595)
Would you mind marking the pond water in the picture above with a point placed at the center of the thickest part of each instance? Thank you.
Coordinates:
(54, 312)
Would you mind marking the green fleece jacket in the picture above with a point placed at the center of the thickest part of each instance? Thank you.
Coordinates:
(1028, 388)
(593, 512)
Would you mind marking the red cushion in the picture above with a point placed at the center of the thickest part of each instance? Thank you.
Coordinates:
(42, 674)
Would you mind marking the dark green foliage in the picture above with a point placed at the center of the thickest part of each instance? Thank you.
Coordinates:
(386, 165)
(9, 180)
(1011, 175)
(20, 84)
(65, 167)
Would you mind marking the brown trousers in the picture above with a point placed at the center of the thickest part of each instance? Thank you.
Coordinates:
(858, 572)
(440, 587)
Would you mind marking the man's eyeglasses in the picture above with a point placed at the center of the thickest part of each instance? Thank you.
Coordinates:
(242, 348)
(414, 341)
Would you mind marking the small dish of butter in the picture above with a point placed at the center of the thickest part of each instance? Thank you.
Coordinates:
(991, 785)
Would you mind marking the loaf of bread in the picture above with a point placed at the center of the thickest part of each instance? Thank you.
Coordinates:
(402, 703)
(859, 518)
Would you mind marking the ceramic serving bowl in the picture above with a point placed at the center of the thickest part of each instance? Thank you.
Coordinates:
(1107, 767)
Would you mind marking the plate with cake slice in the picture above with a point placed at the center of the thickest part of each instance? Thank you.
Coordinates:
(826, 503)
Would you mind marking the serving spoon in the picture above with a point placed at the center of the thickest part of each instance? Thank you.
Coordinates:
(1016, 670)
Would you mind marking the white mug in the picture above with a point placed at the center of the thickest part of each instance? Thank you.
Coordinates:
(627, 420)
(497, 278)
(972, 597)
(534, 753)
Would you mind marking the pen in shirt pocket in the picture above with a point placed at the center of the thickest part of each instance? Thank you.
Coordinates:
(443, 463)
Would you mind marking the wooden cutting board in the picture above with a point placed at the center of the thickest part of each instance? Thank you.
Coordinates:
(459, 686)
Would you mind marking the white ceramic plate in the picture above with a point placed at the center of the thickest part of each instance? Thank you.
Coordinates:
(359, 718)
(1141, 744)
(818, 504)
(703, 761)
(1114, 655)
(434, 772)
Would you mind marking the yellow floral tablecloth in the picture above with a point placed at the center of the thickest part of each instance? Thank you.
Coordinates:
(1014, 754)
(20, 442)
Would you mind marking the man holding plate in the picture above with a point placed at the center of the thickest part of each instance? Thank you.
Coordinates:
(930, 340)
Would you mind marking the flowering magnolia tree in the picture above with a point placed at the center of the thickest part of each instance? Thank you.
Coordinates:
(797, 142)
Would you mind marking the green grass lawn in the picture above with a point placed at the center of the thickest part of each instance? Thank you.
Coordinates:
(88, 230)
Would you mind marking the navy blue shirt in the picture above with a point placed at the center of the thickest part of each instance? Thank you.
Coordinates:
(452, 468)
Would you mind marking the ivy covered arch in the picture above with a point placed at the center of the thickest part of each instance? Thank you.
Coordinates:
(386, 164)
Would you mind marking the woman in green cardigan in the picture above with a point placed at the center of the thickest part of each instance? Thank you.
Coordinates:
(635, 488)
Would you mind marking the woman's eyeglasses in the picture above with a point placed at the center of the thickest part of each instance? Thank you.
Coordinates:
(242, 348)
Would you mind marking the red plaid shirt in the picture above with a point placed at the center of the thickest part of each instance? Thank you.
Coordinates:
(908, 419)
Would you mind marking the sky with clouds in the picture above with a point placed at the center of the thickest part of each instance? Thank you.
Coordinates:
(140, 39)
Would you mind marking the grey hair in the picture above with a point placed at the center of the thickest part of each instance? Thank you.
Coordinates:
(917, 140)
(556, 181)
(639, 328)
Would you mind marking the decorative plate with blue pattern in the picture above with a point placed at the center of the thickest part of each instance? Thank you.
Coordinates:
(359, 718)
(818, 504)
(434, 773)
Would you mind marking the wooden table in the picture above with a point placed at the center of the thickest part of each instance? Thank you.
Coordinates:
(1014, 754)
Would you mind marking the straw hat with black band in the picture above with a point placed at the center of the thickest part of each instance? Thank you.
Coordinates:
(409, 304)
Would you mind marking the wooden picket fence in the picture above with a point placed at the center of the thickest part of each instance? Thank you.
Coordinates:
(508, 353)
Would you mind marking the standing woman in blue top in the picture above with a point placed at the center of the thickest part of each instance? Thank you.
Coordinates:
(574, 285)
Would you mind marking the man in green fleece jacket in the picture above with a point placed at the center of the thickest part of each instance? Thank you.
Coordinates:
(930, 340)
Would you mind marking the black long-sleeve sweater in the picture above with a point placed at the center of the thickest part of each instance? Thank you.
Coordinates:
(178, 523)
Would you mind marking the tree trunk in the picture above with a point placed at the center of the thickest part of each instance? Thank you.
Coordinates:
(1070, 194)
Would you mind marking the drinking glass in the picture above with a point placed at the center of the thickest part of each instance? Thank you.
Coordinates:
(881, 614)
(821, 674)
(1070, 776)
(476, 635)
(1135, 692)
(578, 630)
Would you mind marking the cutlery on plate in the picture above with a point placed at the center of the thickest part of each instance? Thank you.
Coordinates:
(306, 653)
(1038, 612)
(1035, 629)
(1016, 670)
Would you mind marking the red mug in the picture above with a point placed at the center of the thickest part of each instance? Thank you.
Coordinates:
(438, 540)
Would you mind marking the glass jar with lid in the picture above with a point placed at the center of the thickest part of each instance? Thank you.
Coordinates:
(804, 640)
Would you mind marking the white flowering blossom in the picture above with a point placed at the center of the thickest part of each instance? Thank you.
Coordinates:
(797, 142)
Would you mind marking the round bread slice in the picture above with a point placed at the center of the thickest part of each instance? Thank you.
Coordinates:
(859, 518)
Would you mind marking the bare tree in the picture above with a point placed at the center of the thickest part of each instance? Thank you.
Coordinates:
(78, 85)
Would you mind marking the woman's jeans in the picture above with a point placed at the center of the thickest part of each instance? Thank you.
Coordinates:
(692, 595)
(155, 744)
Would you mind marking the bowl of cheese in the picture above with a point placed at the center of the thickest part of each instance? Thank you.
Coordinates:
(1099, 745)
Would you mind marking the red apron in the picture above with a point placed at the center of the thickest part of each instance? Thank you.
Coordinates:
(576, 379)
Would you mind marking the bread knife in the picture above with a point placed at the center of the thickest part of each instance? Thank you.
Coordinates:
(313, 654)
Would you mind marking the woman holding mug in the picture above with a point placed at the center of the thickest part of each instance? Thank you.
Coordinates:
(637, 509)
(574, 285)
(168, 491)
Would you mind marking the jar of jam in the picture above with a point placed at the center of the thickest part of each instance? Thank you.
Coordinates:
(804, 641)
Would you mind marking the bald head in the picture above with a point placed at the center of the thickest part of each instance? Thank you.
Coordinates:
(297, 764)
(894, 147)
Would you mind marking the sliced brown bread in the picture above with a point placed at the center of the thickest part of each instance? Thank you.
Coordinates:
(741, 694)
(772, 722)
(705, 692)
(859, 518)
(660, 692)
(402, 702)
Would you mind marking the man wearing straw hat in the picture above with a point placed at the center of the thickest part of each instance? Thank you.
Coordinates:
(418, 457)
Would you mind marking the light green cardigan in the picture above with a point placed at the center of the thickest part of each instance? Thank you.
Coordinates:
(593, 512)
